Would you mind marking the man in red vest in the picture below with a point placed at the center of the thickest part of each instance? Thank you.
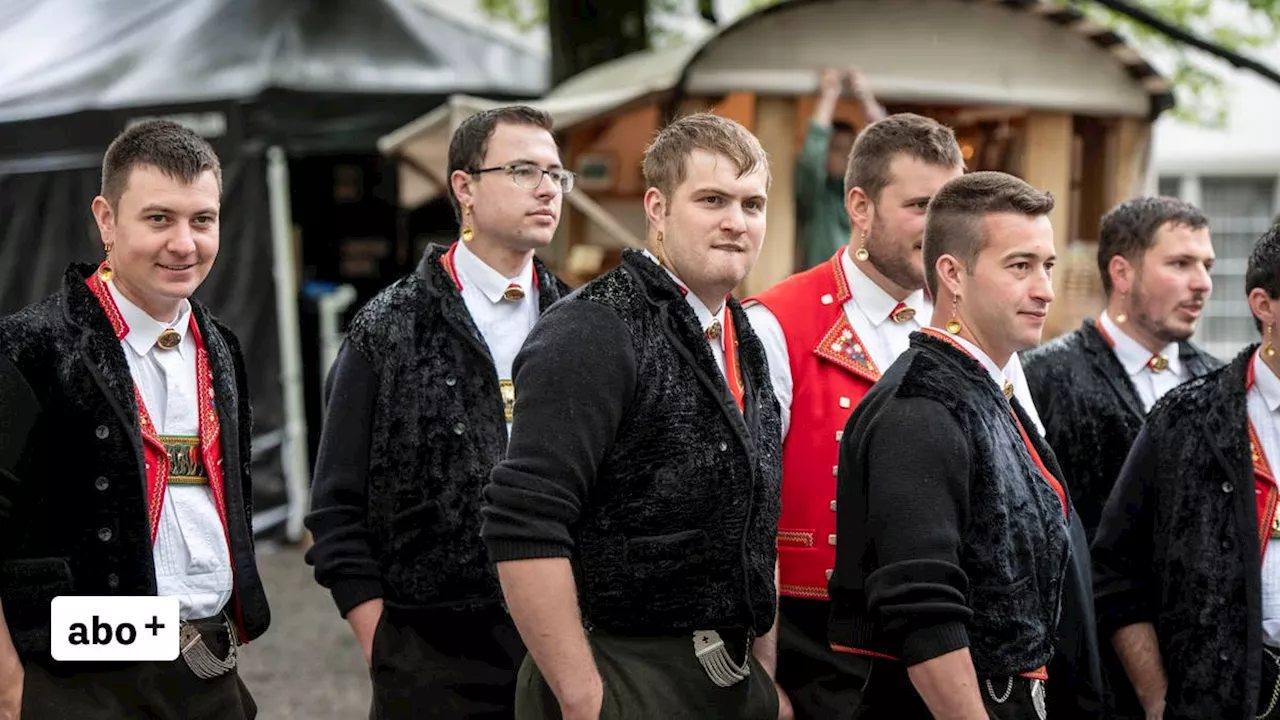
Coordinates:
(828, 333)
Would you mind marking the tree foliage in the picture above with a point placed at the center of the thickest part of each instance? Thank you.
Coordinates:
(1199, 80)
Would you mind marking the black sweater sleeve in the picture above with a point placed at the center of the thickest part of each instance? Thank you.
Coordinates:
(1124, 584)
(574, 379)
(343, 554)
(918, 503)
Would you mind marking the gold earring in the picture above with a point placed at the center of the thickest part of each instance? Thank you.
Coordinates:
(953, 325)
(861, 253)
(1122, 317)
(467, 234)
(1269, 349)
(105, 272)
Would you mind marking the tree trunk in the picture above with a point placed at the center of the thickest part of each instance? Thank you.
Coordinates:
(585, 33)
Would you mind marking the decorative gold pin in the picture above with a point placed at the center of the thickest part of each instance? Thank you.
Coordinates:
(169, 339)
(714, 330)
(902, 314)
(1158, 363)
(1008, 390)
(513, 292)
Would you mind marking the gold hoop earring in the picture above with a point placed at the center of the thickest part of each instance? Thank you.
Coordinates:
(953, 325)
(1122, 317)
(1269, 349)
(466, 233)
(861, 253)
(105, 273)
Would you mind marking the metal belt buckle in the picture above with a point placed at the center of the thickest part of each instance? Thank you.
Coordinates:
(710, 650)
(196, 654)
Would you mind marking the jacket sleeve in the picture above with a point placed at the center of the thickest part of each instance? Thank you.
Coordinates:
(811, 168)
(343, 553)
(19, 410)
(245, 406)
(1124, 576)
(917, 507)
(574, 377)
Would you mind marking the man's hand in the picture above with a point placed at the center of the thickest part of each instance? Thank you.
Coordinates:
(364, 621)
(785, 711)
(829, 86)
(857, 82)
(11, 691)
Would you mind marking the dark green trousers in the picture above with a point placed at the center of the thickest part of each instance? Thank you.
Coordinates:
(653, 679)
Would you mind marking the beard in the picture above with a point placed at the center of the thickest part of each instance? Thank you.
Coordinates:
(1158, 328)
(891, 257)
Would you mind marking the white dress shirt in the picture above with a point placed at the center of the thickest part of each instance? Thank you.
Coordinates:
(504, 324)
(192, 561)
(1134, 357)
(868, 311)
(1263, 402)
(706, 318)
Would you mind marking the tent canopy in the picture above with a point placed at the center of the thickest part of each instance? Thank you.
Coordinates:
(73, 73)
(994, 53)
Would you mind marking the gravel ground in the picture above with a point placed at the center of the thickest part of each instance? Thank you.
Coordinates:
(307, 665)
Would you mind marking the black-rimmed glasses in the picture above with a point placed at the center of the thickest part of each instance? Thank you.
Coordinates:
(529, 176)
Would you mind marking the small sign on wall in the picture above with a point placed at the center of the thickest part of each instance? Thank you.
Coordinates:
(596, 172)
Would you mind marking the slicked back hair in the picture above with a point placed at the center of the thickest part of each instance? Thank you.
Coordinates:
(470, 141)
(954, 222)
(1263, 270)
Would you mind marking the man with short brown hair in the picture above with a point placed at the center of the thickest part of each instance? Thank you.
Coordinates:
(632, 522)
(148, 389)
(828, 333)
(419, 404)
(953, 527)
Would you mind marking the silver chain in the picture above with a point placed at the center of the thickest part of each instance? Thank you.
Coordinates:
(1275, 688)
(1008, 690)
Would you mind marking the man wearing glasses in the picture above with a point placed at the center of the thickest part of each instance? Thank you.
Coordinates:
(419, 407)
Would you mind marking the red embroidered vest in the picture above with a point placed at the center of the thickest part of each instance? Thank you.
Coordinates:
(154, 451)
(830, 372)
(1266, 494)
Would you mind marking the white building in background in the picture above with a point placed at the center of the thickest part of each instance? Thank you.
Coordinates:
(1233, 175)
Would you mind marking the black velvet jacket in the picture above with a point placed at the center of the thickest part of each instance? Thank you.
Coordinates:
(415, 422)
(1091, 410)
(949, 534)
(81, 467)
(630, 456)
(1178, 546)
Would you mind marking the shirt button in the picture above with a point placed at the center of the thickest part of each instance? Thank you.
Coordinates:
(101, 483)
(723, 446)
(839, 434)
(451, 381)
(835, 470)
(113, 581)
(846, 403)
(1228, 487)
(833, 506)
(831, 539)
(459, 428)
(104, 534)
(102, 432)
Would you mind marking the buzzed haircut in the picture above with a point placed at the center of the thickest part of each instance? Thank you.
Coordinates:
(666, 159)
(1129, 229)
(176, 151)
(905, 134)
(954, 222)
(1263, 270)
(470, 141)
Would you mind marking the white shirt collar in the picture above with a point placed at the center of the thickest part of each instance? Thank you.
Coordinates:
(1132, 355)
(874, 302)
(492, 283)
(700, 309)
(144, 330)
(996, 372)
(1266, 382)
